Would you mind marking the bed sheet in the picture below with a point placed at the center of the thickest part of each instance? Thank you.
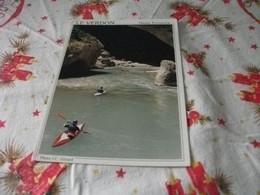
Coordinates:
(220, 43)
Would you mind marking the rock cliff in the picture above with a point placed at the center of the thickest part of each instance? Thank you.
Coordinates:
(81, 55)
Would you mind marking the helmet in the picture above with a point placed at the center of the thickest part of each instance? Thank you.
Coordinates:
(74, 122)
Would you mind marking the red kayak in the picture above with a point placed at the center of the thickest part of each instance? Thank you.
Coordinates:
(66, 137)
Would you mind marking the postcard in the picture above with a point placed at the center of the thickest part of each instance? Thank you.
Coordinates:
(118, 98)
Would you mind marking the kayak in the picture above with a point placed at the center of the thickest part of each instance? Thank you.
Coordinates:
(66, 136)
(98, 93)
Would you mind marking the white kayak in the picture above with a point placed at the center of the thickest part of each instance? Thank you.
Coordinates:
(98, 93)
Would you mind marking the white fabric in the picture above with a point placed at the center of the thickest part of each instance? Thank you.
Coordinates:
(217, 147)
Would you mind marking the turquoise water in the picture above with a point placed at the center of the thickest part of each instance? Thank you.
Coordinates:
(134, 119)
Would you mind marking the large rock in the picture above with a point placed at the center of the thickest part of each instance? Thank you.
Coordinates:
(80, 57)
(166, 75)
(81, 51)
(105, 54)
(104, 60)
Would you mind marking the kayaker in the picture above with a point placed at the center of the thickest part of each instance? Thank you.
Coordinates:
(72, 126)
(100, 90)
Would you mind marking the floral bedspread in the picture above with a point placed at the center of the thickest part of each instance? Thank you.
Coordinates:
(220, 42)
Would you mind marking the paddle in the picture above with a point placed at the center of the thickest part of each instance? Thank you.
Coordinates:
(61, 116)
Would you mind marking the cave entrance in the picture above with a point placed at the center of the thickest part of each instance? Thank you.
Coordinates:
(132, 43)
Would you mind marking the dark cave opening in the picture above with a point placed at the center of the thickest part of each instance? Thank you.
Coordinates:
(131, 43)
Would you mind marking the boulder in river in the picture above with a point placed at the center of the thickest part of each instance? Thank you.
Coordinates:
(166, 75)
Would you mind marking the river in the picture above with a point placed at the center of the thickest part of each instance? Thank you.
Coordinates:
(133, 119)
